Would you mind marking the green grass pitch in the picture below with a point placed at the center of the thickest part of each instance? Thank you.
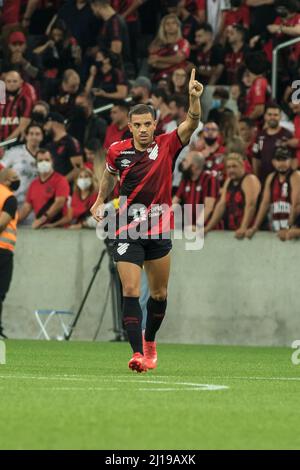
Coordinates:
(58, 395)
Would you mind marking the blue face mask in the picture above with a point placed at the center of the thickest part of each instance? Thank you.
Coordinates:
(216, 104)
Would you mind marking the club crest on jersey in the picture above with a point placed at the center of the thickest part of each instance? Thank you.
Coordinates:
(125, 163)
(153, 153)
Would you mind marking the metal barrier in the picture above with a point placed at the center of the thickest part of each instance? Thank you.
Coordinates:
(275, 63)
(100, 110)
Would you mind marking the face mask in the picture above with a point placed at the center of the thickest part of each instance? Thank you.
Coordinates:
(84, 183)
(210, 140)
(14, 185)
(216, 104)
(38, 117)
(44, 167)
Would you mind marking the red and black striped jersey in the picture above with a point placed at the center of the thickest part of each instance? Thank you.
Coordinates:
(195, 192)
(146, 181)
(280, 201)
(235, 205)
(16, 107)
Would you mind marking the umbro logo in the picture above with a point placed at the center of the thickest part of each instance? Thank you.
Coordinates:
(153, 153)
(125, 163)
(122, 248)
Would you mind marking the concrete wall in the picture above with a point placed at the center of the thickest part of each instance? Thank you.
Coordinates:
(231, 292)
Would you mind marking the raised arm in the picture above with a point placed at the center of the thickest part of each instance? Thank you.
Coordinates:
(187, 127)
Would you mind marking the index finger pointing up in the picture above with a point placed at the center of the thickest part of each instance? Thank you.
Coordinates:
(193, 74)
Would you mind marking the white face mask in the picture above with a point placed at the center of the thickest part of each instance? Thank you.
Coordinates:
(84, 183)
(44, 167)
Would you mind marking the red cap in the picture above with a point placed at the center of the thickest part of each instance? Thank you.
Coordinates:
(17, 36)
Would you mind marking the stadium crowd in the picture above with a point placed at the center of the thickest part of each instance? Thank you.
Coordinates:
(73, 68)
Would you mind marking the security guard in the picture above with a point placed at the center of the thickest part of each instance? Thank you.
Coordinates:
(9, 182)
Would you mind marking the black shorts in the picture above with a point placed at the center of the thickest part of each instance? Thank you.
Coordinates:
(138, 251)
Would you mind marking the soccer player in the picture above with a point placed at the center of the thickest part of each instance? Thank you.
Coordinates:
(144, 165)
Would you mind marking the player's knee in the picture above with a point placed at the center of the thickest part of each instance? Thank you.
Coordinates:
(131, 290)
(160, 295)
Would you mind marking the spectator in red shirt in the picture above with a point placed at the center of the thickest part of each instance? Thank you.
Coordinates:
(198, 186)
(258, 93)
(84, 196)
(238, 202)
(287, 26)
(18, 57)
(169, 50)
(118, 129)
(47, 195)
(15, 114)
(208, 57)
(238, 14)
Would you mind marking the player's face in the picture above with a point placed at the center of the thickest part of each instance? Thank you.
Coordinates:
(142, 127)
(282, 166)
(234, 169)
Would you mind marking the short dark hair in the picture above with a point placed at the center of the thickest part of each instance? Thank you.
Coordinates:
(122, 104)
(282, 153)
(206, 27)
(272, 105)
(34, 124)
(141, 109)
(42, 151)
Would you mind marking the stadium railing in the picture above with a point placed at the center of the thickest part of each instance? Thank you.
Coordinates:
(97, 111)
(275, 63)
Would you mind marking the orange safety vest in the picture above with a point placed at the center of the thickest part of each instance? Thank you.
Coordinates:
(8, 237)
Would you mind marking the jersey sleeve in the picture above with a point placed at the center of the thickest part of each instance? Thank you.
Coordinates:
(62, 188)
(74, 148)
(10, 206)
(110, 161)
